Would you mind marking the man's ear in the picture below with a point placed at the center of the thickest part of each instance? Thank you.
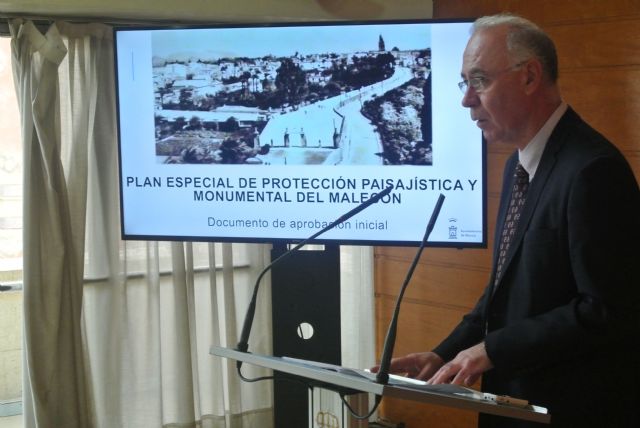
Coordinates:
(533, 75)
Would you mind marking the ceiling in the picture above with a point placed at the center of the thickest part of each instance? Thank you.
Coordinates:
(217, 10)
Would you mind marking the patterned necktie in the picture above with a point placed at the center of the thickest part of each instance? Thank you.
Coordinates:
(518, 196)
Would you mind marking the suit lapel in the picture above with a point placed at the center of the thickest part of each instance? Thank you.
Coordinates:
(536, 187)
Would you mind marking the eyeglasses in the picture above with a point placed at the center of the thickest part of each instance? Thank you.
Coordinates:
(480, 83)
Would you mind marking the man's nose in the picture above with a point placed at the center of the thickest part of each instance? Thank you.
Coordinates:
(470, 98)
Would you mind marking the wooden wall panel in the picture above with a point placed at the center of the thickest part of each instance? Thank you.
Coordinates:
(420, 326)
(611, 104)
(431, 282)
(418, 415)
(599, 49)
(600, 77)
(602, 44)
(540, 11)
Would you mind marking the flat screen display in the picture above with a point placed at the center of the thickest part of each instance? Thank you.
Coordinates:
(263, 133)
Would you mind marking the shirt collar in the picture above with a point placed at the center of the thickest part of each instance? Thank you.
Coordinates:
(530, 156)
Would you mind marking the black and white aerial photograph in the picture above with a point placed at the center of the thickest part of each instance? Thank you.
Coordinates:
(294, 95)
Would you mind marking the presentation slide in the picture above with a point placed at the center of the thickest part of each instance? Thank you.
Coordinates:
(265, 133)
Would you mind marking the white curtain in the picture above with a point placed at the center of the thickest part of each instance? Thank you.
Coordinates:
(117, 333)
(53, 357)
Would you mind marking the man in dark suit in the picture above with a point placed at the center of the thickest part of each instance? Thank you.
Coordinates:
(558, 323)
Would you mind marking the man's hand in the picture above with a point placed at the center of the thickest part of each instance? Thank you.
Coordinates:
(420, 365)
(465, 368)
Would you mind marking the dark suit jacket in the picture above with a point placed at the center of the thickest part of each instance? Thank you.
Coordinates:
(562, 327)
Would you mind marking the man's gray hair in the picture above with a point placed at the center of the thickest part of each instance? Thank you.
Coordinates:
(525, 40)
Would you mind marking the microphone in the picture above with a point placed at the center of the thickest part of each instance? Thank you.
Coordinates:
(243, 343)
(390, 341)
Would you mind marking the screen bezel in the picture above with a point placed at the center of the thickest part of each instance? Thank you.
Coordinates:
(278, 240)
